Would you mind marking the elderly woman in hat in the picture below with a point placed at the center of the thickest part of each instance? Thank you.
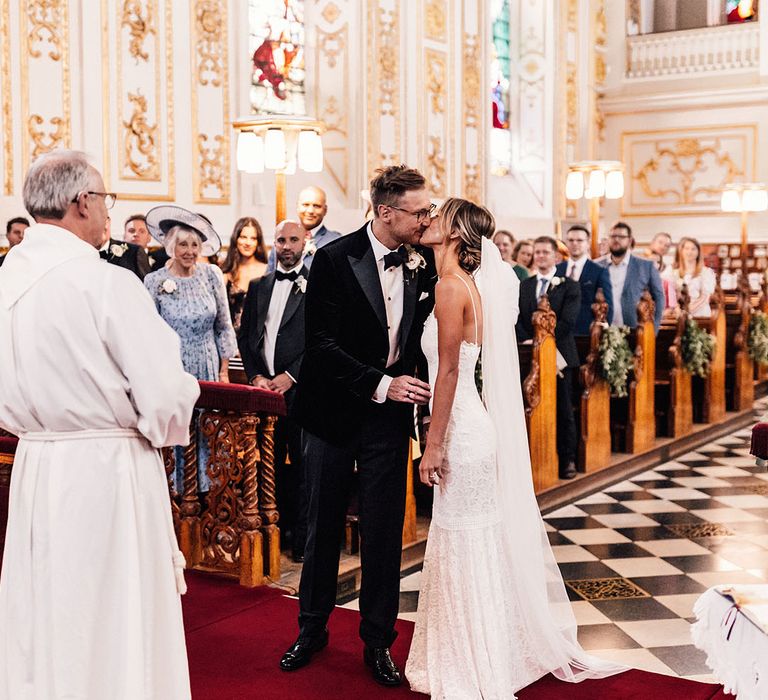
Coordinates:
(192, 299)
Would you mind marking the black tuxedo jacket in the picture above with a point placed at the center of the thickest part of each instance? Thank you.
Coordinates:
(133, 258)
(289, 348)
(565, 300)
(592, 278)
(347, 342)
(157, 257)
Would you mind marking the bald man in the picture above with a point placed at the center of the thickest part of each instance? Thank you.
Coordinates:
(311, 208)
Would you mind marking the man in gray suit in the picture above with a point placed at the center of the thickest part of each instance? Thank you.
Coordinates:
(630, 277)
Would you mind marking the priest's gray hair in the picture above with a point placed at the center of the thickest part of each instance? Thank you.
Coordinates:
(53, 181)
(178, 234)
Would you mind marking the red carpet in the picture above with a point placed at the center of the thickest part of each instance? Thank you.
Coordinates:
(235, 638)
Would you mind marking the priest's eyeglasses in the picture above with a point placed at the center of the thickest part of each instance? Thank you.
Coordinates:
(421, 215)
(109, 197)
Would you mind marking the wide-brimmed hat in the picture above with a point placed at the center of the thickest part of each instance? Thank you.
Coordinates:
(162, 219)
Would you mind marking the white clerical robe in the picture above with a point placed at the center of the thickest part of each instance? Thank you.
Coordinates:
(91, 380)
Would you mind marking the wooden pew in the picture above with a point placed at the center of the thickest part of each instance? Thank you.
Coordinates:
(538, 366)
(633, 420)
(674, 412)
(595, 401)
(709, 393)
(739, 367)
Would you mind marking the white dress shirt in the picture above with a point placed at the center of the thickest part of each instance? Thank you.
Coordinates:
(578, 265)
(280, 294)
(618, 275)
(392, 288)
(549, 276)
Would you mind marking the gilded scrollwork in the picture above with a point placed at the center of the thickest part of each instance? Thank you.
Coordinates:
(436, 167)
(140, 140)
(210, 45)
(436, 81)
(435, 16)
(5, 84)
(139, 18)
(332, 44)
(45, 21)
(472, 106)
(211, 165)
(45, 141)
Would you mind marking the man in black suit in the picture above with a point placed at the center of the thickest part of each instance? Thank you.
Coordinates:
(369, 294)
(588, 274)
(565, 299)
(14, 233)
(271, 341)
(135, 231)
(122, 254)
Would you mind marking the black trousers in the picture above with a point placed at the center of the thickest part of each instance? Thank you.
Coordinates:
(290, 482)
(567, 437)
(380, 451)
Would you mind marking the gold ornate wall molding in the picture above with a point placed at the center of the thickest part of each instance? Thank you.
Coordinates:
(210, 88)
(683, 171)
(5, 95)
(45, 114)
(599, 72)
(436, 24)
(472, 101)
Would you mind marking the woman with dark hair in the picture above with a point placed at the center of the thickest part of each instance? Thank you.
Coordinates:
(246, 261)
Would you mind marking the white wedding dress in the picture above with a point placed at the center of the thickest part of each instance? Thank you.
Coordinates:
(493, 614)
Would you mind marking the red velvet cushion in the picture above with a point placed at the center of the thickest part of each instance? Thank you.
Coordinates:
(240, 398)
(760, 441)
(8, 445)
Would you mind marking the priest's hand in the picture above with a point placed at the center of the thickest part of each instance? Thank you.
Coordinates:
(409, 390)
(281, 383)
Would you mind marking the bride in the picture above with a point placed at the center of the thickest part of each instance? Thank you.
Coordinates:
(493, 614)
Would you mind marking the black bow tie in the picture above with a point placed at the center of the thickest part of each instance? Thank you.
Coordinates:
(290, 276)
(396, 258)
(104, 254)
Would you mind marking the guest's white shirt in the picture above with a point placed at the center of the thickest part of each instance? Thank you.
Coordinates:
(392, 288)
(578, 265)
(280, 293)
(618, 275)
(548, 276)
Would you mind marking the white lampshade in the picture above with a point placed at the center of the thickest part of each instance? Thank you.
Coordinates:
(754, 200)
(595, 184)
(255, 155)
(574, 185)
(614, 185)
(274, 149)
(244, 141)
(310, 152)
(730, 200)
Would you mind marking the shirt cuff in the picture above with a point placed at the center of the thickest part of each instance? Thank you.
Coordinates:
(380, 395)
(291, 377)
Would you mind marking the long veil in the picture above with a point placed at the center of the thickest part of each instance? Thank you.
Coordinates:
(537, 582)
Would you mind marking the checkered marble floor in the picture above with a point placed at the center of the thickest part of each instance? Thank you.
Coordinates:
(636, 556)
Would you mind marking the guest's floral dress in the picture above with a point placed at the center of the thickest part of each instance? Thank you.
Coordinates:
(197, 309)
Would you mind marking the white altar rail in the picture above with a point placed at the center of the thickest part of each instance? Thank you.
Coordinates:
(730, 49)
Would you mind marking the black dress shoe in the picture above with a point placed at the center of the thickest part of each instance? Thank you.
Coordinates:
(300, 654)
(569, 471)
(384, 670)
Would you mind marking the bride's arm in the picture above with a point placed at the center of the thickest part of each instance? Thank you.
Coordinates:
(450, 299)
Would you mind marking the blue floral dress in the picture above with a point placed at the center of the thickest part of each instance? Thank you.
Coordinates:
(197, 309)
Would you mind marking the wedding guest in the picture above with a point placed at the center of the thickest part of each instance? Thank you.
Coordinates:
(311, 209)
(565, 300)
(89, 595)
(657, 249)
(135, 231)
(14, 233)
(588, 274)
(192, 299)
(522, 256)
(271, 340)
(127, 255)
(689, 269)
(246, 261)
(602, 247)
(505, 242)
(630, 277)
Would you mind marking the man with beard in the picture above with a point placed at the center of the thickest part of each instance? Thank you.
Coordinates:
(271, 341)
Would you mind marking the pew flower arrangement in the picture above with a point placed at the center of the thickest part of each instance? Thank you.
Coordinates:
(616, 359)
(757, 342)
(698, 349)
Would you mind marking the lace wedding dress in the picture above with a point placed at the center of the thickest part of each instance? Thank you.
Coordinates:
(493, 614)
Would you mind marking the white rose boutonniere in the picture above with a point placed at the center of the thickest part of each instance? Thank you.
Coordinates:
(310, 247)
(117, 249)
(415, 259)
(556, 281)
(301, 284)
(168, 286)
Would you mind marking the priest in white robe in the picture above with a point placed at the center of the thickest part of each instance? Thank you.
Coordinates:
(92, 383)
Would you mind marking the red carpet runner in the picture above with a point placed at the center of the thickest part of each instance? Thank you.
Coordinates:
(235, 638)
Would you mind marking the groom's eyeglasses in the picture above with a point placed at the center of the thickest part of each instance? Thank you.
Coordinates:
(421, 215)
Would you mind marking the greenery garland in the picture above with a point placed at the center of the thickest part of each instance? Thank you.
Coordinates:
(698, 349)
(757, 342)
(616, 358)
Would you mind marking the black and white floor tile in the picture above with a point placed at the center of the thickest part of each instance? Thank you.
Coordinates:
(636, 556)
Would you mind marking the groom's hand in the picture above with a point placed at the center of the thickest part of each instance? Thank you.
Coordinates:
(409, 390)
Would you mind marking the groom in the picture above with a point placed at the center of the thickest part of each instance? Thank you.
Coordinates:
(367, 299)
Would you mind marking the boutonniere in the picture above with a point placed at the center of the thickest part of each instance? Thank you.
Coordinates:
(117, 249)
(151, 260)
(556, 281)
(310, 247)
(301, 284)
(168, 286)
(415, 259)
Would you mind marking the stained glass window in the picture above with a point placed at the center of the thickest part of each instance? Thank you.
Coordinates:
(276, 46)
(500, 74)
(740, 10)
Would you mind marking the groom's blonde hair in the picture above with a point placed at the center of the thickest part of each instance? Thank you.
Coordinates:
(471, 223)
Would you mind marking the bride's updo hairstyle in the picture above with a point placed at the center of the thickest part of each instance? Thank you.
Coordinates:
(471, 223)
